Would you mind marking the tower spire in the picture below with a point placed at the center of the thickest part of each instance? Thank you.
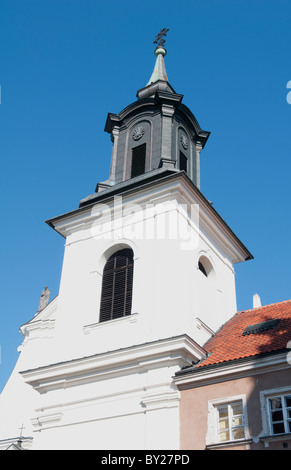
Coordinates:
(159, 79)
(159, 72)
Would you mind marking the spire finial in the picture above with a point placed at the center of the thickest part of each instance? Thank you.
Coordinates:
(159, 72)
(160, 41)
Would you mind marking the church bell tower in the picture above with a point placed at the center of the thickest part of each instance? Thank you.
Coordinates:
(155, 132)
(148, 276)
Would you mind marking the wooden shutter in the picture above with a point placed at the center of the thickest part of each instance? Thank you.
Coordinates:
(183, 162)
(138, 160)
(116, 296)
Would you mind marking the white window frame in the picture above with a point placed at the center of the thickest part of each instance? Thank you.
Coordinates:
(266, 411)
(229, 418)
(212, 436)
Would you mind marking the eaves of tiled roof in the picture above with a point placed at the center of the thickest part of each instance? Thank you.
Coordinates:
(250, 333)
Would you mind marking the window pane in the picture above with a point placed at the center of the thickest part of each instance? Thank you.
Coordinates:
(275, 403)
(223, 423)
(237, 410)
(237, 421)
(288, 401)
(224, 436)
(278, 428)
(277, 415)
(230, 422)
(238, 433)
(223, 412)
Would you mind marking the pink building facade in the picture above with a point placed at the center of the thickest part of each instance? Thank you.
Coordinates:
(243, 403)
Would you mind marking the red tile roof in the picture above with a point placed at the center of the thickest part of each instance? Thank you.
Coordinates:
(229, 343)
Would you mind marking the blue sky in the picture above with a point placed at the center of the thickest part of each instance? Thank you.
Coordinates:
(64, 64)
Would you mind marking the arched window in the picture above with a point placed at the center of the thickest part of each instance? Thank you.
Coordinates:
(138, 160)
(183, 162)
(117, 282)
(205, 266)
(201, 267)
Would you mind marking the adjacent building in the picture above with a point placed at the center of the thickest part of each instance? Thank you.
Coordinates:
(239, 395)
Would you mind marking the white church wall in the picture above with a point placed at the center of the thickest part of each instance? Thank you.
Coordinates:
(136, 402)
(17, 404)
(79, 376)
(169, 291)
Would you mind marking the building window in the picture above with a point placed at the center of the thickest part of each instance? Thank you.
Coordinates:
(116, 296)
(138, 160)
(279, 408)
(183, 162)
(227, 421)
(202, 269)
(230, 422)
(205, 266)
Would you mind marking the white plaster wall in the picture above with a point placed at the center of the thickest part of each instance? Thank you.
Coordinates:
(17, 404)
(169, 293)
(154, 430)
(137, 410)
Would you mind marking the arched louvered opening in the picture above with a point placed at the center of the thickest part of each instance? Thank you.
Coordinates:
(205, 266)
(183, 162)
(202, 269)
(138, 160)
(116, 296)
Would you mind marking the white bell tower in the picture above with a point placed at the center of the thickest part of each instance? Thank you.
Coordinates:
(148, 275)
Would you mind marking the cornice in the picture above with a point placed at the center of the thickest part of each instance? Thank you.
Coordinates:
(140, 106)
(179, 351)
(231, 370)
(37, 326)
(48, 313)
(203, 135)
(214, 224)
(229, 444)
(173, 100)
(142, 191)
(275, 438)
(152, 88)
